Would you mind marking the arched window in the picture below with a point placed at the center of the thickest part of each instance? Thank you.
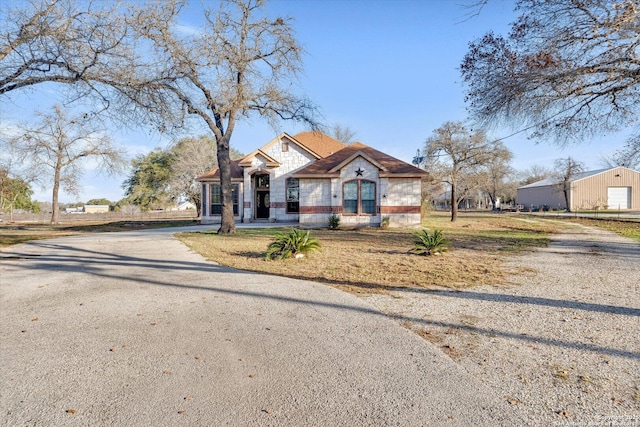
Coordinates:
(359, 197)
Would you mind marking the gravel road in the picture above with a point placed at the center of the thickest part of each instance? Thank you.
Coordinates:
(561, 343)
(133, 329)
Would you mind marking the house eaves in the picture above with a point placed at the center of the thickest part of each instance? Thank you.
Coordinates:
(247, 160)
(352, 157)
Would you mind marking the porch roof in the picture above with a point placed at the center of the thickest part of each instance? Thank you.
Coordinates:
(237, 173)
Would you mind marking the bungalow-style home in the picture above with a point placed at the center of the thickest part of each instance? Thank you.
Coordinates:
(616, 188)
(308, 177)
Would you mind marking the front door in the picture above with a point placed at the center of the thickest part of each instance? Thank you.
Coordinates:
(261, 186)
(262, 204)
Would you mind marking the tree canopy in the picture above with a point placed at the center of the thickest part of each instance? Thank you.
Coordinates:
(61, 41)
(239, 63)
(193, 157)
(455, 153)
(15, 193)
(567, 69)
(146, 69)
(166, 176)
(148, 185)
(54, 149)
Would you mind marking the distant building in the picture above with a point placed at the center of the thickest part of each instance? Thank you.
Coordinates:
(615, 188)
(96, 208)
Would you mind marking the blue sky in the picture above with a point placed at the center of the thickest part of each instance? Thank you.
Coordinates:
(387, 69)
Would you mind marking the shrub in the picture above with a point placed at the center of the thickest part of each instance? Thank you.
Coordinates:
(385, 222)
(334, 221)
(294, 244)
(429, 244)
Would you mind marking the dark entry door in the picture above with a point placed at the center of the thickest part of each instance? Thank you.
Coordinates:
(262, 204)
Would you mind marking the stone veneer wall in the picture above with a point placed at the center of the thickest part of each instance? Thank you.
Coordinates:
(290, 162)
(315, 202)
(369, 173)
(403, 202)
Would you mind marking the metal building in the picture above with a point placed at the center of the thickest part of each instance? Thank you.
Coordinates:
(615, 189)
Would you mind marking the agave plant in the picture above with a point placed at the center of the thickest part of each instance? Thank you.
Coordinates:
(294, 244)
(429, 244)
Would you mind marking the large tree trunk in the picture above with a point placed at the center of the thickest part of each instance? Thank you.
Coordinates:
(56, 188)
(454, 203)
(228, 223)
(566, 199)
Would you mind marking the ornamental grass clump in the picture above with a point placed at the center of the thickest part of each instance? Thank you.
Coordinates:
(295, 244)
(429, 244)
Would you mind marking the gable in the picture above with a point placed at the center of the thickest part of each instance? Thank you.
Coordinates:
(388, 166)
(259, 156)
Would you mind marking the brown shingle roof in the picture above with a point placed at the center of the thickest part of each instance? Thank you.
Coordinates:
(321, 144)
(389, 166)
(237, 173)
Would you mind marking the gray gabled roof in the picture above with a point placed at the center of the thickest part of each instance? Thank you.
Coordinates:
(553, 181)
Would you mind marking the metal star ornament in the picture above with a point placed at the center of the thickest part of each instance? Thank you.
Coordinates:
(359, 172)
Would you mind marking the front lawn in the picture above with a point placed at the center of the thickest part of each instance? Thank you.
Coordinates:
(374, 260)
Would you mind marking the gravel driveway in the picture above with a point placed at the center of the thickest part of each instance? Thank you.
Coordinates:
(561, 343)
(132, 329)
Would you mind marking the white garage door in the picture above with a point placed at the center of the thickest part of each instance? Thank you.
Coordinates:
(619, 197)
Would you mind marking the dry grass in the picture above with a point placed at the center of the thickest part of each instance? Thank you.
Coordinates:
(375, 260)
(625, 228)
(12, 234)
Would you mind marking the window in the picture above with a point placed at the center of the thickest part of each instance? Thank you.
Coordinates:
(262, 181)
(216, 199)
(204, 200)
(350, 197)
(293, 195)
(285, 146)
(368, 197)
(359, 197)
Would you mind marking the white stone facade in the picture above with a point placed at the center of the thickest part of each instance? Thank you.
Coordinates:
(395, 202)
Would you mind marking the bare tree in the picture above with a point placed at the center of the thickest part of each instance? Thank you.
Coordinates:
(565, 172)
(628, 156)
(57, 146)
(343, 134)
(452, 152)
(494, 172)
(238, 64)
(193, 157)
(61, 41)
(568, 69)
(534, 174)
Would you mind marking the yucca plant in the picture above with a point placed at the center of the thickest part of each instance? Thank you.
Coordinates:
(294, 244)
(334, 222)
(429, 244)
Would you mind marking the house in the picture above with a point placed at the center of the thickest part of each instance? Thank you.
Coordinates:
(183, 206)
(308, 177)
(615, 188)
